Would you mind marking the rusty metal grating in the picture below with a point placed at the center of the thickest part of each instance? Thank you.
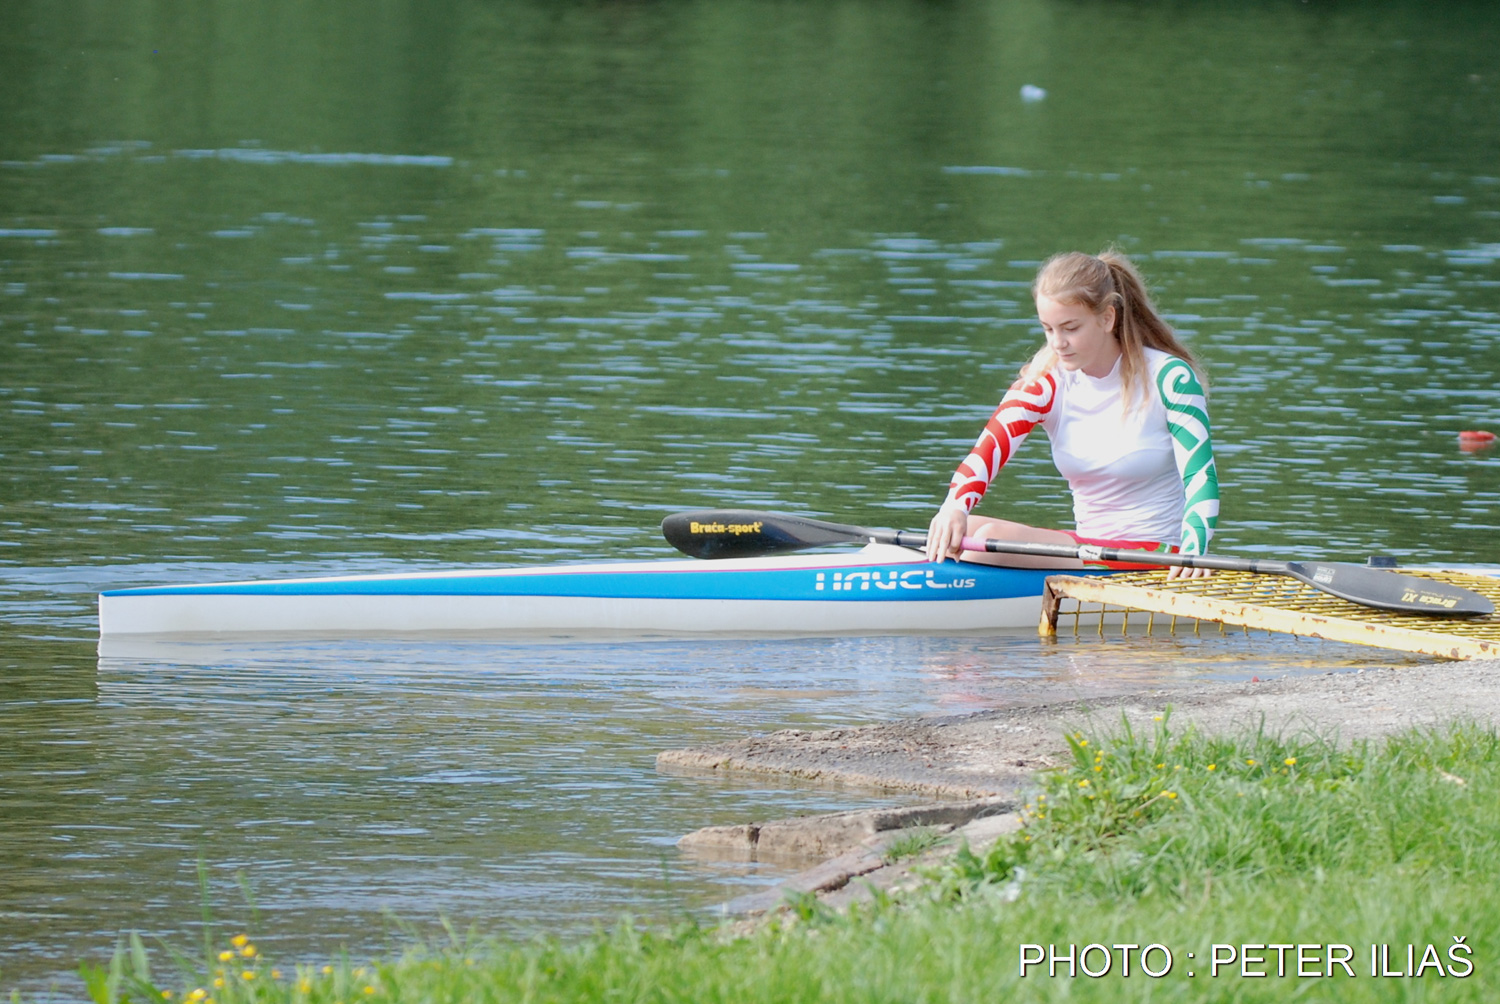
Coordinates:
(1272, 603)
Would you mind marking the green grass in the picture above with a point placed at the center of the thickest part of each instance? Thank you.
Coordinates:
(1179, 840)
(910, 843)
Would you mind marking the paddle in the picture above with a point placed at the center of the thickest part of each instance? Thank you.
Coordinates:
(741, 533)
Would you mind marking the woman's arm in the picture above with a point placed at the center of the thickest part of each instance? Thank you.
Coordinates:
(1020, 411)
(1187, 421)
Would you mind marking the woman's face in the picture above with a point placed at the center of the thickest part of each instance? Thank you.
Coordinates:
(1082, 339)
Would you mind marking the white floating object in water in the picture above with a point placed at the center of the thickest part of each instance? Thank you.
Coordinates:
(1031, 92)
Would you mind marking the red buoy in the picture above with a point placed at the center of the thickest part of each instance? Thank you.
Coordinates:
(1474, 439)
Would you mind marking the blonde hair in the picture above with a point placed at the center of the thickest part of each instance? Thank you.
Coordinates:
(1109, 280)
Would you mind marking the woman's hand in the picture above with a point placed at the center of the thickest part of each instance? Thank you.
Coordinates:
(1179, 572)
(945, 534)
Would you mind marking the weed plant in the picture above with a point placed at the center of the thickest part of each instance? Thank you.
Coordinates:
(1349, 856)
(913, 842)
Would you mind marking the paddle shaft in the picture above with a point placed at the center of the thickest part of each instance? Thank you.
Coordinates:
(1094, 552)
(1087, 552)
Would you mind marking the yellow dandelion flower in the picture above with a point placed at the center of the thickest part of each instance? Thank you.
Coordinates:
(218, 982)
(1084, 783)
(1098, 769)
(1250, 762)
(1213, 766)
(1083, 742)
(369, 990)
(240, 940)
(248, 974)
(198, 994)
(327, 970)
(304, 986)
(1169, 794)
(225, 955)
(276, 974)
(166, 995)
(1290, 761)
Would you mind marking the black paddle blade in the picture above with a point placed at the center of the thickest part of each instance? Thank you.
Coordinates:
(746, 533)
(1386, 590)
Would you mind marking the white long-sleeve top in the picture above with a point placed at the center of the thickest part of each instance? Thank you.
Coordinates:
(1146, 474)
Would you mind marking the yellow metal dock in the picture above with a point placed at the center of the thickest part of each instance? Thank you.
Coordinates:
(1276, 603)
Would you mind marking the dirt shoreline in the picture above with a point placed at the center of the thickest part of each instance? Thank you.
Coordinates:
(994, 753)
(988, 759)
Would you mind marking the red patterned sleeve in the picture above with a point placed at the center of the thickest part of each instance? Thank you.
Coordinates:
(1021, 410)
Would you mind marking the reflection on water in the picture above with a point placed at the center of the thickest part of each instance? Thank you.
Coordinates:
(508, 786)
(376, 289)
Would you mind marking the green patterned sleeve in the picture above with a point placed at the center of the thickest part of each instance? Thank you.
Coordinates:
(1187, 421)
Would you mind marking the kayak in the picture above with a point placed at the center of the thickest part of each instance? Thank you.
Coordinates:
(879, 589)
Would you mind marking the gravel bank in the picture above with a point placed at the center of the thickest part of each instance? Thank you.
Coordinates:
(993, 753)
(988, 758)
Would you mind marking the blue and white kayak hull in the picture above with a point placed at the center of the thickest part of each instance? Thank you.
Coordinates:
(879, 589)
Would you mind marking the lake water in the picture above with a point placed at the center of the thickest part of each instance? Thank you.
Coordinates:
(290, 289)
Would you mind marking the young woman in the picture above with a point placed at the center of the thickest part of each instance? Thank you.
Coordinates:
(1121, 401)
